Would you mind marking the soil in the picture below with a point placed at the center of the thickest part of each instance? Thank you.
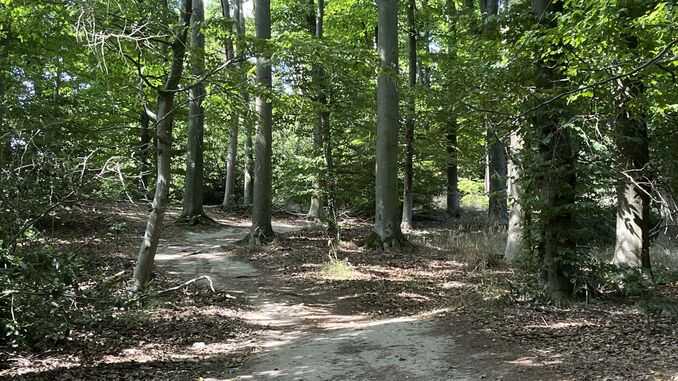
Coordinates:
(428, 312)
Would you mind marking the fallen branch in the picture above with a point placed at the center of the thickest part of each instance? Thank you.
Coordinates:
(209, 280)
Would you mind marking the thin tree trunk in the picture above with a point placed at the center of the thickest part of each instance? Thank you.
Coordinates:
(496, 155)
(387, 219)
(193, 189)
(149, 244)
(514, 238)
(408, 196)
(453, 209)
(262, 230)
(248, 168)
(325, 128)
(231, 156)
(315, 208)
(144, 148)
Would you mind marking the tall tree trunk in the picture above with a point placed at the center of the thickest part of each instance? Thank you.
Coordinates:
(633, 190)
(248, 168)
(262, 230)
(453, 209)
(633, 199)
(558, 172)
(514, 238)
(316, 206)
(144, 149)
(387, 219)
(193, 187)
(496, 155)
(325, 129)
(408, 196)
(149, 244)
(232, 154)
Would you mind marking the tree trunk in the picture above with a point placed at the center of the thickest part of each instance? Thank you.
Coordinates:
(248, 168)
(387, 219)
(144, 149)
(232, 154)
(262, 230)
(408, 196)
(558, 172)
(633, 199)
(315, 208)
(149, 244)
(514, 238)
(497, 211)
(496, 155)
(453, 209)
(193, 187)
(633, 191)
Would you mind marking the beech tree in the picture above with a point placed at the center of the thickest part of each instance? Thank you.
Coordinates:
(229, 53)
(387, 211)
(557, 173)
(411, 115)
(262, 230)
(633, 191)
(149, 243)
(193, 185)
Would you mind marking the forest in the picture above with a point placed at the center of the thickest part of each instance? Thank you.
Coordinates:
(339, 190)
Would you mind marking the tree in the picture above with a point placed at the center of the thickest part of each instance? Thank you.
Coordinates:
(387, 218)
(193, 186)
(557, 177)
(515, 221)
(408, 197)
(149, 244)
(452, 188)
(262, 230)
(496, 155)
(232, 154)
(633, 191)
(316, 205)
(144, 149)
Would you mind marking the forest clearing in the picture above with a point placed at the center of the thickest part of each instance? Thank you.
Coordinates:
(338, 190)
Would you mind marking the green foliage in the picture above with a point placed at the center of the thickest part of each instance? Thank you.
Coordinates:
(37, 285)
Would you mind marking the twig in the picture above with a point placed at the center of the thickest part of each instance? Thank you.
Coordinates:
(209, 280)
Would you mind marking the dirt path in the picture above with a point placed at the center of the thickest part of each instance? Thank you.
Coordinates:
(305, 339)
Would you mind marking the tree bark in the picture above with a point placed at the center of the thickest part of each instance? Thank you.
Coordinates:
(144, 149)
(452, 189)
(232, 154)
(558, 172)
(514, 238)
(632, 246)
(496, 155)
(193, 187)
(408, 196)
(497, 171)
(387, 219)
(262, 230)
(149, 244)
(316, 205)
(248, 168)
(633, 198)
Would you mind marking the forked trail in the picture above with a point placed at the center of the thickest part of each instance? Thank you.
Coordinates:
(305, 337)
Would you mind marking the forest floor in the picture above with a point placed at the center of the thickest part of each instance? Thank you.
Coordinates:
(297, 309)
